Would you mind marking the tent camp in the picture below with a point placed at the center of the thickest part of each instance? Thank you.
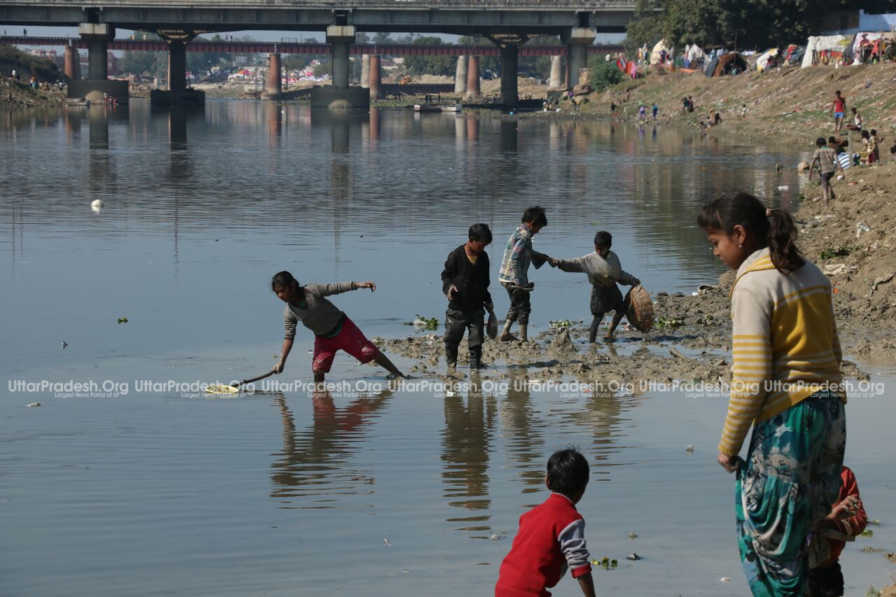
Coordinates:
(767, 57)
(725, 64)
(693, 55)
(870, 45)
(827, 49)
(793, 55)
(657, 53)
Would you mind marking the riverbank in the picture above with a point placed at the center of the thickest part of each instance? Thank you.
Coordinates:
(788, 105)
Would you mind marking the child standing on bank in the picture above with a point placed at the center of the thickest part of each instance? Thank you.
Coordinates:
(333, 330)
(785, 378)
(465, 281)
(551, 537)
(825, 161)
(518, 254)
(845, 522)
(838, 107)
(604, 271)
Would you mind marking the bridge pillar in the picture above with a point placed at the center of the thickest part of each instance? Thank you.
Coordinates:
(72, 63)
(177, 65)
(473, 78)
(365, 71)
(556, 81)
(96, 87)
(340, 38)
(273, 85)
(339, 96)
(460, 76)
(374, 81)
(97, 36)
(577, 42)
(510, 56)
(177, 93)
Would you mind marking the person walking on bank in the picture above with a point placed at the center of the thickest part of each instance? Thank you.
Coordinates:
(825, 161)
(333, 330)
(786, 384)
(465, 281)
(518, 254)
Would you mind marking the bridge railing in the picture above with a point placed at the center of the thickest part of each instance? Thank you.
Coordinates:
(542, 5)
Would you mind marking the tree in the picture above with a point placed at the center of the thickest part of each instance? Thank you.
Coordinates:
(198, 62)
(432, 65)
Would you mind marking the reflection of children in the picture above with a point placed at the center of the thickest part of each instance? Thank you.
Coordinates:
(551, 537)
(785, 384)
(333, 330)
(513, 276)
(604, 271)
(845, 522)
(465, 282)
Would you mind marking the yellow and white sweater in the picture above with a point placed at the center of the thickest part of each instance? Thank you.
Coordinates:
(784, 343)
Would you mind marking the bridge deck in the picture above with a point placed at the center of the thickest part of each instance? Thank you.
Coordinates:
(237, 47)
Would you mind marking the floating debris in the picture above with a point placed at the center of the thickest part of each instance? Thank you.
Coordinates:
(122, 320)
(725, 579)
(633, 535)
(426, 323)
(689, 449)
(33, 404)
(386, 542)
(867, 533)
(633, 557)
(64, 345)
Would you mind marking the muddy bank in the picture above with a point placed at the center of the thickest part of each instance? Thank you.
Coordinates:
(851, 240)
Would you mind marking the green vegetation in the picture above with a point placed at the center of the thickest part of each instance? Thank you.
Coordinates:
(603, 73)
(668, 323)
(26, 65)
(830, 252)
(426, 323)
(743, 24)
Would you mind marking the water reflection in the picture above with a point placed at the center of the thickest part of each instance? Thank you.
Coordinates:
(525, 432)
(466, 444)
(314, 463)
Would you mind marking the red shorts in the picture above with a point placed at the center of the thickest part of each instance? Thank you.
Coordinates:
(350, 339)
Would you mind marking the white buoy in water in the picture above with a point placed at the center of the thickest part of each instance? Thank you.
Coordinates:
(96, 205)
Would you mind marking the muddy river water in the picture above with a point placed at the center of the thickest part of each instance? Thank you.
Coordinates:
(127, 479)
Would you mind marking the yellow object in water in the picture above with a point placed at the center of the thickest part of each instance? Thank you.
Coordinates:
(219, 388)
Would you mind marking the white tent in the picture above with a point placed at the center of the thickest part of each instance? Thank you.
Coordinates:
(762, 61)
(694, 53)
(818, 45)
(658, 49)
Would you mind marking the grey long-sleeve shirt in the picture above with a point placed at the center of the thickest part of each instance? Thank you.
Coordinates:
(317, 313)
(600, 271)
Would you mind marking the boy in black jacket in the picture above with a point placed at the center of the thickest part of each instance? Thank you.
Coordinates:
(465, 281)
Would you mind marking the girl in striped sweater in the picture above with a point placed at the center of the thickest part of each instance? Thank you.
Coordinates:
(785, 384)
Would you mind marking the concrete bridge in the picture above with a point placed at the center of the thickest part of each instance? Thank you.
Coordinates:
(507, 23)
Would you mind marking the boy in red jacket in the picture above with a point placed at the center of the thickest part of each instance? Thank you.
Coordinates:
(845, 522)
(551, 537)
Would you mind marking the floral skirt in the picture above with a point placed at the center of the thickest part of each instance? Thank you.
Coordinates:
(789, 482)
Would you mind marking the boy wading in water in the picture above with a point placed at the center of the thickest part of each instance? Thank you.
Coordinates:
(604, 271)
(515, 267)
(465, 281)
(333, 330)
(551, 537)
